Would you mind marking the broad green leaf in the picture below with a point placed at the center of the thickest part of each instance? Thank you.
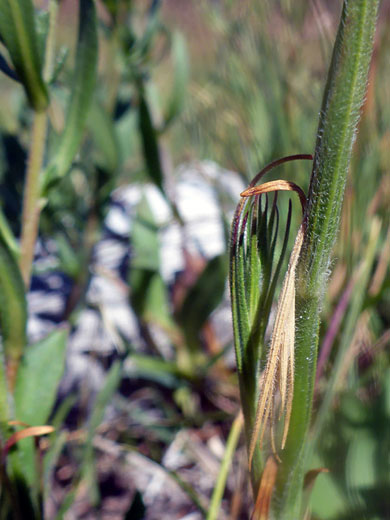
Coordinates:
(17, 28)
(83, 86)
(13, 310)
(36, 387)
(39, 375)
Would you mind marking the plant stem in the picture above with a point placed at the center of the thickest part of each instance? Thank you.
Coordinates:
(343, 98)
(219, 488)
(32, 190)
(31, 204)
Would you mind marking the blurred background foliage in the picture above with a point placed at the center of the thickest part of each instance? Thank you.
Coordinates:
(239, 83)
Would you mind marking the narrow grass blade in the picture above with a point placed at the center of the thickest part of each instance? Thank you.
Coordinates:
(231, 444)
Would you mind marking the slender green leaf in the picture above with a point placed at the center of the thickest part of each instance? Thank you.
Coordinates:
(84, 80)
(231, 444)
(150, 143)
(17, 28)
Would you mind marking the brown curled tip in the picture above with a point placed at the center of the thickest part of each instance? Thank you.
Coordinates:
(279, 185)
(278, 162)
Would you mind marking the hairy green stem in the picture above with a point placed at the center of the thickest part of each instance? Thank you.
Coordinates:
(343, 99)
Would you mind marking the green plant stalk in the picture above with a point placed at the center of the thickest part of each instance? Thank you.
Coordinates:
(32, 189)
(343, 99)
(219, 488)
(31, 197)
